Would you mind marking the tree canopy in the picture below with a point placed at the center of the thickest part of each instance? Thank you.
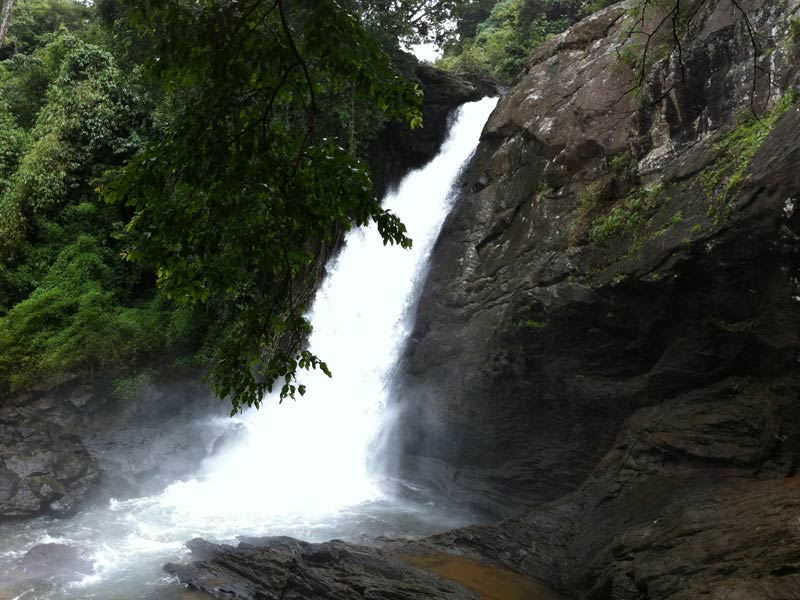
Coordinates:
(226, 140)
(240, 185)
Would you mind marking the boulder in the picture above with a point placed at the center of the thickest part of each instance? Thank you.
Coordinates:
(55, 560)
(285, 568)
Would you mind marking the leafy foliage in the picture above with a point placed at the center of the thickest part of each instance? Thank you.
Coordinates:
(234, 176)
(72, 319)
(735, 153)
(513, 29)
(415, 21)
(12, 144)
(241, 185)
(81, 125)
(67, 300)
(35, 22)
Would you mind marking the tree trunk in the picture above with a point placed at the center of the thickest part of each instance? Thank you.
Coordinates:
(7, 4)
(352, 132)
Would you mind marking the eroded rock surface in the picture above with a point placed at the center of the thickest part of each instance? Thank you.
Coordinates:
(60, 446)
(287, 569)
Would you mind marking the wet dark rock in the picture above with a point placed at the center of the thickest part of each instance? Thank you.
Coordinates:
(399, 150)
(43, 469)
(62, 447)
(50, 560)
(284, 568)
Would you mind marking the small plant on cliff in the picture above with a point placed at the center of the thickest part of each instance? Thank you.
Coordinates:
(794, 30)
(587, 202)
(626, 216)
(623, 164)
(534, 324)
(735, 153)
(676, 219)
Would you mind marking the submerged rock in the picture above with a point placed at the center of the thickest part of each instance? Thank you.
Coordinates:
(55, 560)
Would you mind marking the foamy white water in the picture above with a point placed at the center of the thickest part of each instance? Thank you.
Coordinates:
(302, 468)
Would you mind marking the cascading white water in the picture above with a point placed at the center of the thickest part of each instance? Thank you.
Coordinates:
(310, 456)
(302, 467)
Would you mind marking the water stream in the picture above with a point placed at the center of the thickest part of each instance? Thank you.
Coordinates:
(301, 468)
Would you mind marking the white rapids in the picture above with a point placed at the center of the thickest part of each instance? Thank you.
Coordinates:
(301, 468)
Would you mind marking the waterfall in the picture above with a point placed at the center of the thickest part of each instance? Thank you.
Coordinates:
(301, 467)
(310, 456)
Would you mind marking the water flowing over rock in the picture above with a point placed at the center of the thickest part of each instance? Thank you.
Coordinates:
(399, 149)
(62, 445)
(55, 560)
(607, 345)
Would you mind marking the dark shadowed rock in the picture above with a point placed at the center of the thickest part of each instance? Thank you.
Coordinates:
(59, 447)
(285, 569)
(43, 467)
(55, 560)
(399, 150)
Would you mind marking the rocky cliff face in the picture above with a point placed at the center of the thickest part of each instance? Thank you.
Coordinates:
(602, 261)
(62, 447)
(611, 322)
